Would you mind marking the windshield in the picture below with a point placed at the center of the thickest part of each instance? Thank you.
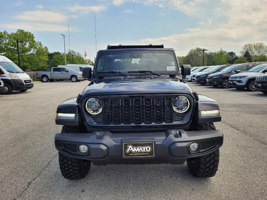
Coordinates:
(11, 67)
(215, 69)
(141, 61)
(257, 68)
(229, 69)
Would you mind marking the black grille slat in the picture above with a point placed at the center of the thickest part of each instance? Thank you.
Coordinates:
(138, 110)
(148, 110)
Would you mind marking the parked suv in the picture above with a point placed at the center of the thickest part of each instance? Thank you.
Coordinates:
(247, 79)
(137, 109)
(261, 83)
(222, 78)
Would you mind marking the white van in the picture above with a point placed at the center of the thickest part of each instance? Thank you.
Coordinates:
(13, 77)
(79, 67)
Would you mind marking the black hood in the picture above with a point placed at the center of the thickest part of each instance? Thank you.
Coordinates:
(140, 86)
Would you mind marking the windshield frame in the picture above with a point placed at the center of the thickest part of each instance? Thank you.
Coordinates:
(173, 68)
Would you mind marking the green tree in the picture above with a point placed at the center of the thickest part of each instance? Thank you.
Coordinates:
(248, 56)
(231, 57)
(256, 49)
(33, 55)
(241, 60)
(195, 57)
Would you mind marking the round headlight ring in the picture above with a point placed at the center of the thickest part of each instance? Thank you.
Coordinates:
(94, 106)
(181, 104)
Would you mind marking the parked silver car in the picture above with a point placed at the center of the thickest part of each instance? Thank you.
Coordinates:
(247, 79)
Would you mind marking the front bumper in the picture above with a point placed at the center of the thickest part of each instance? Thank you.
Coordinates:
(171, 146)
(261, 86)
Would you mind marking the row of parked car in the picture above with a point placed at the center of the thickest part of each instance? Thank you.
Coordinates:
(249, 76)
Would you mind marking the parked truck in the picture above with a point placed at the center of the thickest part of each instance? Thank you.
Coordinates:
(59, 73)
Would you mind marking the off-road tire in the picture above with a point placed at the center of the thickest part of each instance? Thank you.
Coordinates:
(204, 166)
(251, 85)
(73, 168)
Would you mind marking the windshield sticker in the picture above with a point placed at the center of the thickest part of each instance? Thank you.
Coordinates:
(171, 68)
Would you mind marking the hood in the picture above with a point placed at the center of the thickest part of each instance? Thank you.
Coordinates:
(250, 74)
(23, 76)
(137, 87)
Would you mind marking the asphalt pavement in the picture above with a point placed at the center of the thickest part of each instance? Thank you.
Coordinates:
(29, 163)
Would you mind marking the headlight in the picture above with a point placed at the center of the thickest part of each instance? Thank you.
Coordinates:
(94, 106)
(180, 104)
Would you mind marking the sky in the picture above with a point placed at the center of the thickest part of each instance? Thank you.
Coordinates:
(90, 25)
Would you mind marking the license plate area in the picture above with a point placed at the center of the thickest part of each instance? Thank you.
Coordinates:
(138, 149)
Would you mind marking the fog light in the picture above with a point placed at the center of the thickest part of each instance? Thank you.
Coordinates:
(83, 148)
(193, 147)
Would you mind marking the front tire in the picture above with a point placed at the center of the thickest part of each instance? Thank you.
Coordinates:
(72, 168)
(251, 85)
(225, 83)
(7, 89)
(204, 166)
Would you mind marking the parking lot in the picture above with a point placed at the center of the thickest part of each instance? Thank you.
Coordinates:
(29, 162)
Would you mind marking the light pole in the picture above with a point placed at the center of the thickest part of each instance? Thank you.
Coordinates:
(64, 48)
(18, 51)
(203, 50)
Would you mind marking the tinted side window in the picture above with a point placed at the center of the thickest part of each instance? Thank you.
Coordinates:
(57, 69)
(242, 68)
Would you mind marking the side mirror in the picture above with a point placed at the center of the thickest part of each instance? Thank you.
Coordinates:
(186, 70)
(237, 71)
(87, 73)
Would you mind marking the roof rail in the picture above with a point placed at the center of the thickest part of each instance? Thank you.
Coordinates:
(134, 46)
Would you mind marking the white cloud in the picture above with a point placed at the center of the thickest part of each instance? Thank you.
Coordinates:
(118, 2)
(244, 22)
(34, 26)
(127, 11)
(40, 6)
(86, 9)
(42, 16)
(18, 3)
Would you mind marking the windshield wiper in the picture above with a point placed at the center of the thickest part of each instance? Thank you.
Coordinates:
(116, 72)
(145, 72)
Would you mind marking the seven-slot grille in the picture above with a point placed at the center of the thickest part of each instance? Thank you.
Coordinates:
(138, 110)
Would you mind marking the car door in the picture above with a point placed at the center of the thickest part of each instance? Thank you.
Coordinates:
(57, 73)
(65, 73)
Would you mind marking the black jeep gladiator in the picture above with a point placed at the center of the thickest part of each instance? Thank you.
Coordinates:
(137, 109)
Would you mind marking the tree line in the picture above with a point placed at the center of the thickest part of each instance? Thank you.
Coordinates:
(256, 52)
(34, 56)
(22, 48)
